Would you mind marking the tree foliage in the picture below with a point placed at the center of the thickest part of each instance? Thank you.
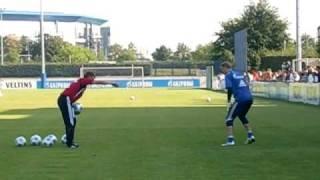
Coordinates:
(12, 48)
(266, 31)
(162, 54)
(119, 53)
(309, 46)
(183, 53)
(203, 52)
(56, 50)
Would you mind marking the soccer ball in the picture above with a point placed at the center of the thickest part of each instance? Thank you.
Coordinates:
(20, 141)
(209, 99)
(48, 142)
(132, 98)
(53, 138)
(35, 140)
(77, 108)
(64, 139)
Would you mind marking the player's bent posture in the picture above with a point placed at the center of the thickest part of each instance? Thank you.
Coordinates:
(237, 85)
(70, 96)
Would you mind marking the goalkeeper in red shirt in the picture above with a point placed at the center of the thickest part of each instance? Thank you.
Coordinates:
(69, 96)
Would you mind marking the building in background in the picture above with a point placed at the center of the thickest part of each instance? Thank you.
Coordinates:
(105, 40)
(79, 30)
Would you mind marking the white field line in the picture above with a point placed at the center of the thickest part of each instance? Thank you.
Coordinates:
(176, 105)
(12, 117)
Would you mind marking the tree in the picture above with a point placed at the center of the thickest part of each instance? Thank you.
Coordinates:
(308, 41)
(77, 54)
(35, 50)
(309, 46)
(289, 49)
(57, 50)
(183, 53)
(203, 52)
(118, 53)
(254, 57)
(12, 49)
(129, 53)
(25, 45)
(227, 56)
(100, 56)
(266, 31)
(53, 46)
(162, 53)
(115, 52)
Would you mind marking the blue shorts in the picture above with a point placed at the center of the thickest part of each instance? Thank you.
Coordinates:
(239, 109)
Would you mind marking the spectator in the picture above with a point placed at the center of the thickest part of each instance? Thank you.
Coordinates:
(285, 76)
(318, 73)
(255, 75)
(267, 76)
(278, 75)
(249, 76)
(290, 77)
(296, 76)
(304, 77)
(310, 75)
(275, 76)
(315, 77)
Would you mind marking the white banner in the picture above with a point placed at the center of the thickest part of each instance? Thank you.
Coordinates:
(18, 84)
(260, 89)
(295, 92)
(311, 94)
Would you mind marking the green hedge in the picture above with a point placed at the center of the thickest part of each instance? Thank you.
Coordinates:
(59, 70)
(73, 70)
(181, 65)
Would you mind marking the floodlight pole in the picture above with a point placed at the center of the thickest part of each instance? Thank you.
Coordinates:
(2, 52)
(43, 60)
(299, 45)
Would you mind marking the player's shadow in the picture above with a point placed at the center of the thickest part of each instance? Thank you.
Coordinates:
(107, 120)
(50, 117)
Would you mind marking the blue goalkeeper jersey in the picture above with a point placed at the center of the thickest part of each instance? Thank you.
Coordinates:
(238, 84)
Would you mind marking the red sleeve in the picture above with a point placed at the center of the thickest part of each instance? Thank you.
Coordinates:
(86, 81)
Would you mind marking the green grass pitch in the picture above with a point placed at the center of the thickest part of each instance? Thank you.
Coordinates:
(163, 134)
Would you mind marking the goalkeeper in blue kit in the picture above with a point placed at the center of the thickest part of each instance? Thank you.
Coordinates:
(238, 87)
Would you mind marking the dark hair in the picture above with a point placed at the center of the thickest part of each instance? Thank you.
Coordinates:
(89, 74)
(226, 65)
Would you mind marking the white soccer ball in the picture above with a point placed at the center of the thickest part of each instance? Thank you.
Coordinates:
(20, 141)
(132, 98)
(64, 139)
(47, 142)
(209, 99)
(77, 108)
(35, 140)
(53, 138)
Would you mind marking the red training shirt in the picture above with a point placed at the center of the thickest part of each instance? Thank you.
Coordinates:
(76, 89)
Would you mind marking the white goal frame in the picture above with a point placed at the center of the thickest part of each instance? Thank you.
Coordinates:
(130, 78)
